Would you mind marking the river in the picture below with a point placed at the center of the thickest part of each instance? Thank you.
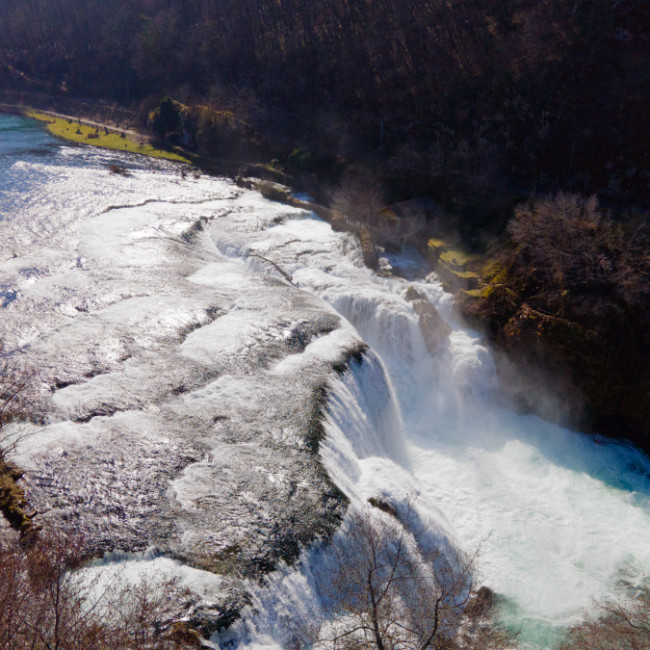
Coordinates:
(162, 335)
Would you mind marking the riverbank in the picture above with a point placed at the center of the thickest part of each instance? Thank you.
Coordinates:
(98, 134)
(270, 183)
(565, 298)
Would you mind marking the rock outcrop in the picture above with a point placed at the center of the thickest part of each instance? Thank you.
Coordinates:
(591, 372)
(433, 327)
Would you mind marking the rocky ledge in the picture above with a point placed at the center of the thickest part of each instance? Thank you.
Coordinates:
(566, 299)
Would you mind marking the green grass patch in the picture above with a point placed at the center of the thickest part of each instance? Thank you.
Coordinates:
(80, 133)
(436, 244)
(478, 293)
(450, 254)
(466, 275)
(456, 257)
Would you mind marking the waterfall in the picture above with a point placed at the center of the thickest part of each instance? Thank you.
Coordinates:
(364, 454)
(362, 404)
(515, 489)
(179, 327)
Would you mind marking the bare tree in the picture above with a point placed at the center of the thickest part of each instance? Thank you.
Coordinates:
(360, 197)
(47, 603)
(15, 392)
(620, 626)
(14, 595)
(389, 591)
(562, 236)
(568, 245)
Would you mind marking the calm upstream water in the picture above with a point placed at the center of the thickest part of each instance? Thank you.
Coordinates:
(20, 139)
(556, 517)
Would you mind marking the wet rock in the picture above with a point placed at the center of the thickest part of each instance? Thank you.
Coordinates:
(303, 332)
(412, 294)
(209, 618)
(370, 258)
(264, 172)
(381, 504)
(482, 603)
(432, 325)
(182, 633)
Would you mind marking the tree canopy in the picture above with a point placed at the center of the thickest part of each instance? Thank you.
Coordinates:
(470, 93)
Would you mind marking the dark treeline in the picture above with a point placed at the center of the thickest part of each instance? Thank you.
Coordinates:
(462, 96)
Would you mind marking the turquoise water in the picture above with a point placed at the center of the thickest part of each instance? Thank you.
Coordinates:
(21, 139)
(31, 159)
(23, 136)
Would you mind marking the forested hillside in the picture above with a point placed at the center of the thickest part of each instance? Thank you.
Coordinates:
(464, 97)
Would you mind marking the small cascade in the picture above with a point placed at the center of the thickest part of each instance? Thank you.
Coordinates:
(460, 371)
(363, 422)
(383, 320)
(467, 369)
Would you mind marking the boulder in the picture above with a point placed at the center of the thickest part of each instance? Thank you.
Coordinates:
(368, 249)
(432, 325)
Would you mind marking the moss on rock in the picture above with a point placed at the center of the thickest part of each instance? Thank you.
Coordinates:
(381, 504)
(13, 503)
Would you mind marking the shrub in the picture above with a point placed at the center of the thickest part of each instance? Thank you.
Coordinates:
(47, 604)
(575, 257)
(620, 626)
(359, 197)
(166, 119)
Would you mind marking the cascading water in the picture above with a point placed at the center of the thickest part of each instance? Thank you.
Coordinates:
(177, 347)
(554, 515)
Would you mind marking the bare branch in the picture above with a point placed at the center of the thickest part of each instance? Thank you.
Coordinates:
(389, 590)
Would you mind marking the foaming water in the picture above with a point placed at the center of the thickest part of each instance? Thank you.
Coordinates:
(96, 263)
(555, 515)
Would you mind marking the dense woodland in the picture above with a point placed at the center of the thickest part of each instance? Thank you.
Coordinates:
(464, 98)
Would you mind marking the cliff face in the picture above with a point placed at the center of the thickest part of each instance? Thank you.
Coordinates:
(596, 380)
(568, 296)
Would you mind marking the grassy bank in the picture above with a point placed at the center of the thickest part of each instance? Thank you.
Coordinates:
(101, 137)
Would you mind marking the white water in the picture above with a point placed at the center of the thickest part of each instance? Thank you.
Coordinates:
(556, 515)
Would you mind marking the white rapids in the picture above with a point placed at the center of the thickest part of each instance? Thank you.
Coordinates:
(155, 330)
(554, 515)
